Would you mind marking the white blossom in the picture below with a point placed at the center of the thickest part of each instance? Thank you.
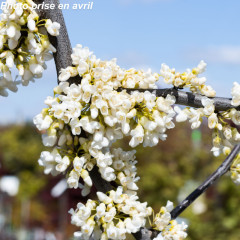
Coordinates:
(235, 94)
(52, 27)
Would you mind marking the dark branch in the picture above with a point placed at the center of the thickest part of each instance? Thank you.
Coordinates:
(100, 184)
(62, 57)
(188, 98)
(225, 166)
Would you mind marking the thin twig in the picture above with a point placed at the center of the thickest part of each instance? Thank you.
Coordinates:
(224, 167)
(148, 234)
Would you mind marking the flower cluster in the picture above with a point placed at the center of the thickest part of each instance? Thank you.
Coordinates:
(175, 231)
(104, 115)
(112, 217)
(195, 116)
(170, 229)
(24, 44)
(189, 78)
(225, 136)
(83, 120)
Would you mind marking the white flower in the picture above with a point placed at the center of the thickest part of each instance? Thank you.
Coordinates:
(49, 141)
(201, 67)
(112, 233)
(52, 27)
(167, 74)
(195, 118)
(102, 106)
(75, 126)
(148, 124)
(19, 9)
(12, 30)
(31, 25)
(36, 68)
(80, 53)
(110, 214)
(48, 159)
(198, 81)
(63, 164)
(235, 94)
(87, 230)
(104, 198)
(181, 115)
(208, 106)
(73, 179)
(235, 116)
(212, 121)
(107, 173)
(89, 126)
(78, 163)
(137, 136)
(176, 231)
(83, 67)
(85, 189)
(20, 68)
(86, 178)
(106, 74)
(169, 206)
(42, 123)
(9, 59)
(12, 43)
(178, 82)
(27, 76)
(64, 75)
(164, 104)
(101, 210)
(208, 91)
(227, 131)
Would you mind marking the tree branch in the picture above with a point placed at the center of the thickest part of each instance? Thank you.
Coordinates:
(224, 167)
(63, 59)
(188, 98)
(100, 184)
(62, 56)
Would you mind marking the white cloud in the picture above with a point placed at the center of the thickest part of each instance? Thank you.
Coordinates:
(217, 54)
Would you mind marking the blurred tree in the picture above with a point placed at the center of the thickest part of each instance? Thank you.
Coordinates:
(173, 168)
(20, 147)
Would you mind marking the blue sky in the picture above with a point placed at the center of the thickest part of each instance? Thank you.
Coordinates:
(142, 34)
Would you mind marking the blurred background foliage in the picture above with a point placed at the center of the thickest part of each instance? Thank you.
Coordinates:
(169, 171)
(20, 146)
